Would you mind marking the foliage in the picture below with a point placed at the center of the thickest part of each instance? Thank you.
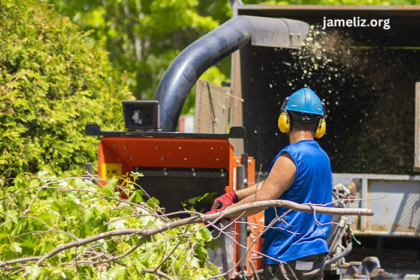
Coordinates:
(143, 36)
(54, 79)
(39, 214)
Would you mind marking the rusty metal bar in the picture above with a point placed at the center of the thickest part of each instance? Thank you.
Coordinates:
(364, 201)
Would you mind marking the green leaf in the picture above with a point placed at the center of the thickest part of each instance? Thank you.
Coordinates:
(33, 270)
(108, 190)
(15, 247)
(194, 200)
(60, 206)
(153, 202)
(202, 235)
(136, 196)
(201, 252)
(113, 183)
(34, 183)
(11, 218)
(117, 273)
(43, 174)
(139, 266)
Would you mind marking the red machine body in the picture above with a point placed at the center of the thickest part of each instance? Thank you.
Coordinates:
(179, 160)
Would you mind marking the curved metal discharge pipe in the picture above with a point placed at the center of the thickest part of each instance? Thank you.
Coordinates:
(213, 47)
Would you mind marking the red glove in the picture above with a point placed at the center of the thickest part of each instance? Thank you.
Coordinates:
(223, 201)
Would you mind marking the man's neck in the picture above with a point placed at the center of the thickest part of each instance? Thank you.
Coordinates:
(296, 136)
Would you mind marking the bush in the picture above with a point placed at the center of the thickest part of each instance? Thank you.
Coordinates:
(53, 81)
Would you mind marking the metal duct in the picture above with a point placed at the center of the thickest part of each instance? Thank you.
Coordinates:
(213, 47)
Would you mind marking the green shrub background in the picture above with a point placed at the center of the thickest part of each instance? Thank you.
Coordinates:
(53, 81)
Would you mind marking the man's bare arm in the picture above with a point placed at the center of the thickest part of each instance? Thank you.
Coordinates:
(278, 181)
(249, 191)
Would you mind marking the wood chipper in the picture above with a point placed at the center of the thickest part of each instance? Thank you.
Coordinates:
(180, 166)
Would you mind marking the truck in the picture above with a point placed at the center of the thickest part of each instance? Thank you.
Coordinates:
(363, 63)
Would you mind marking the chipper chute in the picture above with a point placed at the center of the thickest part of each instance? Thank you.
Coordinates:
(213, 47)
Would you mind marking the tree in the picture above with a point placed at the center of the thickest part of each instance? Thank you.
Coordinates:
(54, 79)
(73, 228)
(143, 37)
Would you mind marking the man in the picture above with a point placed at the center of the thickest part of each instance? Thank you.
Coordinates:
(296, 245)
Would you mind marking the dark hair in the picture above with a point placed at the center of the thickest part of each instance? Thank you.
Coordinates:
(306, 122)
(304, 126)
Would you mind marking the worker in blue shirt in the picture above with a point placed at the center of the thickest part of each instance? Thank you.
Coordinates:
(296, 245)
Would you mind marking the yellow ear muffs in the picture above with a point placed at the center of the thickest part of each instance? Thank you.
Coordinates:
(284, 122)
(321, 128)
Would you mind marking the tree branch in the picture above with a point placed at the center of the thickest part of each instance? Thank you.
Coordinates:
(233, 210)
(27, 259)
(308, 208)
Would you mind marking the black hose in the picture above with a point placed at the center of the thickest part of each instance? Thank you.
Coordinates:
(341, 255)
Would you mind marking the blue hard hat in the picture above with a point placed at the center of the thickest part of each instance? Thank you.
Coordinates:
(305, 101)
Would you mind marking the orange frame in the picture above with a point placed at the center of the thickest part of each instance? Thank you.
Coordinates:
(118, 156)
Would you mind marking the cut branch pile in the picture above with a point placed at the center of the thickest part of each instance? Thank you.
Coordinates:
(52, 226)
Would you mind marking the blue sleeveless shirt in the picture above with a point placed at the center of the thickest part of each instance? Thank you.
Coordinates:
(298, 234)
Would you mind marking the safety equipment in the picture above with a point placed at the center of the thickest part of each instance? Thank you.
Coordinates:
(305, 107)
(321, 128)
(284, 122)
(224, 201)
